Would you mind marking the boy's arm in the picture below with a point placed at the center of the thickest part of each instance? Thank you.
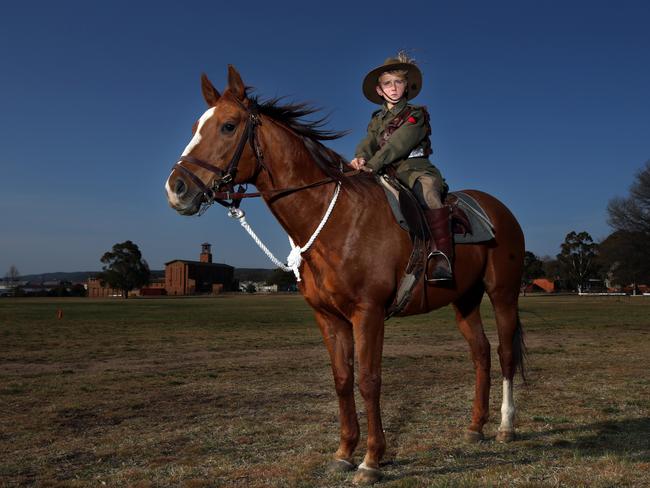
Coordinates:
(402, 142)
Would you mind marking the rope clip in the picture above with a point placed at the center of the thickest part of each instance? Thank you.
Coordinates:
(236, 213)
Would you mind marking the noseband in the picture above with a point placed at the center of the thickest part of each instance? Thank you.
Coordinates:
(222, 188)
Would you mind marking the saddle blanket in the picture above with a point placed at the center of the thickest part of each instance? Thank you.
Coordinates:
(482, 227)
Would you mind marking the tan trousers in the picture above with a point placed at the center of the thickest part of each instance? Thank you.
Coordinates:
(427, 189)
(424, 179)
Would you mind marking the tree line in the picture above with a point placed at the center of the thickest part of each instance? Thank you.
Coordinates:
(621, 259)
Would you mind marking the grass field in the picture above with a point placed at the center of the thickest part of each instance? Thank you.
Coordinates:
(237, 391)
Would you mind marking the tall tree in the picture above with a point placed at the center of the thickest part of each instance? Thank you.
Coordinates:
(632, 214)
(625, 257)
(552, 268)
(533, 268)
(626, 252)
(124, 268)
(577, 258)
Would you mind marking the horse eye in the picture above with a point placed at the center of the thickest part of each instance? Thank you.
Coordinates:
(227, 128)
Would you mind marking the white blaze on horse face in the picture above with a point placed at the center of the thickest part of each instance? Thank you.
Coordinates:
(171, 196)
(507, 408)
(197, 135)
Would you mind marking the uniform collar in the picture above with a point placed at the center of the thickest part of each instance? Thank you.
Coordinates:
(397, 108)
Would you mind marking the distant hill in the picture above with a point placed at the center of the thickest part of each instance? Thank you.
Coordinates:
(73, 277)
(241, 274)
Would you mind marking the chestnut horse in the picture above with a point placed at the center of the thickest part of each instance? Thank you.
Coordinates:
(351, 273)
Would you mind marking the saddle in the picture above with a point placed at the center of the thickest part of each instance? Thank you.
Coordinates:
(408, 212)
(469, 222)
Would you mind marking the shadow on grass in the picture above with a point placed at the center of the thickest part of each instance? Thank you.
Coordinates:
(626, 439)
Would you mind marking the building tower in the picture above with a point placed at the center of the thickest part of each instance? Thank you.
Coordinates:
(206, 253)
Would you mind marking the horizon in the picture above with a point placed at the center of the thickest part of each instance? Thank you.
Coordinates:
(544, 105)
(55, 276)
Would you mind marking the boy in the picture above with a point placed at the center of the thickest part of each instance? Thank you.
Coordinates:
(398, 135)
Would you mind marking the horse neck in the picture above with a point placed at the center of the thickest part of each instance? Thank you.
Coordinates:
(291, 165)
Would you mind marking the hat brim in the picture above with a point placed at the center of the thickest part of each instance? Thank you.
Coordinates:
(370, 82)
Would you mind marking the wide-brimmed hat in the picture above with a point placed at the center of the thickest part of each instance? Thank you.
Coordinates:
(413, 76)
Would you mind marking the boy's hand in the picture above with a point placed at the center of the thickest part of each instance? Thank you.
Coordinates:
(358, 163)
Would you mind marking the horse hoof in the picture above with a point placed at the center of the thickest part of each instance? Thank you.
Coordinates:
(472, 437)
(367, 476)
(340, 466)
(505, 436)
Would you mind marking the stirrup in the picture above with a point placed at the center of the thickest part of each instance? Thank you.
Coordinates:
(426, 267)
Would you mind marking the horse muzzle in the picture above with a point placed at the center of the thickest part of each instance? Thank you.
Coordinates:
(181, 196)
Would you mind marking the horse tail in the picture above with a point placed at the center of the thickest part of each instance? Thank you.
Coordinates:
(519, 351)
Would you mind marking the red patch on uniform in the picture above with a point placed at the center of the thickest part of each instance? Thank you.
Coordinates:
(412, 120)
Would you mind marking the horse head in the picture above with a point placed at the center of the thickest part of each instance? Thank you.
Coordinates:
(221, 152)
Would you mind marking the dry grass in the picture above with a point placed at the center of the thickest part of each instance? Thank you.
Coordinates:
(237, 391)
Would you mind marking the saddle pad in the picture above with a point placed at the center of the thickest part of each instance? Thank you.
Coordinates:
(482, 228)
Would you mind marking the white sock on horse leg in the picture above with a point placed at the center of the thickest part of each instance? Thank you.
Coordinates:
(507, 408)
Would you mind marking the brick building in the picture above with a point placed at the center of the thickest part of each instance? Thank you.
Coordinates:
(96, 290)
(156, 287)
(198, 277)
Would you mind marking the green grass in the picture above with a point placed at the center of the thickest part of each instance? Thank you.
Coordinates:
(237, 391)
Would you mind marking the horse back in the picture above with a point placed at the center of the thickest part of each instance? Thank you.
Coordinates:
(362, 256)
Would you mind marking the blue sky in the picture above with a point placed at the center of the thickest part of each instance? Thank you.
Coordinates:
(546, 105)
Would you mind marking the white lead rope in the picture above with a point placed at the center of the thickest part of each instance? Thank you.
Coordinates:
(294, 260)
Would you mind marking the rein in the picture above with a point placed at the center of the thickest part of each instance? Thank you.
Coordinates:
(222, 189)
(280, 192)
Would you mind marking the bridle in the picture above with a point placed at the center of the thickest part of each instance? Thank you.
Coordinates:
(222, 188)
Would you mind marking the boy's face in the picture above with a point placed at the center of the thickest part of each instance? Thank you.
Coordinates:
(391, 87)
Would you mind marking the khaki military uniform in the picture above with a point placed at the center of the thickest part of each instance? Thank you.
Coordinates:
(400, 137)
(407, 149)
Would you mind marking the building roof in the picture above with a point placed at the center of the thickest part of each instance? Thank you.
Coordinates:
(545, 284)
(199, 263)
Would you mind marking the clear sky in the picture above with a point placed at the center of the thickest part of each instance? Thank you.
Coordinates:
(545, 104)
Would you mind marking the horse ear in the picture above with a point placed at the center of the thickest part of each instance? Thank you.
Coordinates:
(235, 83)
(210, 93)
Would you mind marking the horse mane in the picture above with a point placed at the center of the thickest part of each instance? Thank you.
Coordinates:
(312, 132)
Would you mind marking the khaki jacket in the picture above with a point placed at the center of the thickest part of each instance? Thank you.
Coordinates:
(412, 137)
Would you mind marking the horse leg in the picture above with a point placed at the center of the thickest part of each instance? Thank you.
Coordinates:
(468, 317)
(337, 334)
(510, 356)
(368, 327)
(503, 271)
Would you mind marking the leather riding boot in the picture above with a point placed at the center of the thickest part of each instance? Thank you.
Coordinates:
(440, 245)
